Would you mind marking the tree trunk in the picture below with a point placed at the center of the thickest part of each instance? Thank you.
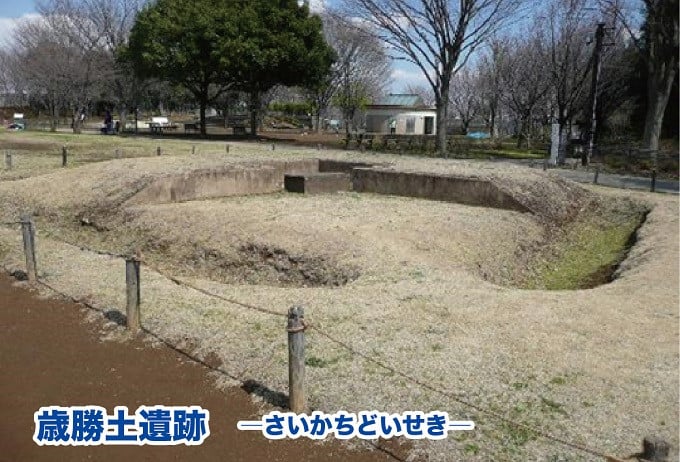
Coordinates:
(76, 122)
(54, 122)
(658, 92)
(441, 104)
(317, 129)
(562, 147)
(254, 107)
(520, 134)
(524, 133)
(226, 113)
(203, 105)
(493, 130)
(123, 118)
(348, 116)
(465, 127)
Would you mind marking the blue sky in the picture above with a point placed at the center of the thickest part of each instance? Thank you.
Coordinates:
(16, 8)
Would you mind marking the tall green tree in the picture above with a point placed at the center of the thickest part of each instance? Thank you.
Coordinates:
(188, 43)
(281, 44)
(212, 46)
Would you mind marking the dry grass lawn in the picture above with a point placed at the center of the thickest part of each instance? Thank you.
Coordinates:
(598, 367)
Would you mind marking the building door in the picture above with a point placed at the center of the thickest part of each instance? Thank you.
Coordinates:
(429, 126)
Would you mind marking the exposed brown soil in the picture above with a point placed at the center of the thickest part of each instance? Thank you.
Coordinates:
(262, 264)
(49, 356)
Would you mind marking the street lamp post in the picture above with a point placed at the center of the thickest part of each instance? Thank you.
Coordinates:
(597, 64)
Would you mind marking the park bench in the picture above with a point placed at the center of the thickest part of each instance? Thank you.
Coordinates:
(158, 124)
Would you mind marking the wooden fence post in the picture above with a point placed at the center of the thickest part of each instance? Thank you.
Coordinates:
(28, 233)
(653, 188)
(8, 160)
(193, 149)
(133, 294)
(296, 360)
(273, 147)
(64, 156)
(158, 151)
(655, 449)
(227, 148)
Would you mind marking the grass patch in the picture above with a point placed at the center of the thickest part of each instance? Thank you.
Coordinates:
(553, 406)
(589, 251)
(558, 380)
(471, 448)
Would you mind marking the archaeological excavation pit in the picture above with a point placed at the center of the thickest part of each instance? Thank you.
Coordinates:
(329, 223)
(403, 266)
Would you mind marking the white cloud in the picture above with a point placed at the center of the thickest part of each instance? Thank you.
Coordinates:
(7, 26)
(317, 6)
(401, 78)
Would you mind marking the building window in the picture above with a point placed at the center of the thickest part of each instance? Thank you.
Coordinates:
(410, 125)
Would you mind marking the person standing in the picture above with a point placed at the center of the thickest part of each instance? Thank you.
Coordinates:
(108, 121)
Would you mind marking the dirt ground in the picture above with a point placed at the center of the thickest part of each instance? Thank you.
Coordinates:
(50, 356)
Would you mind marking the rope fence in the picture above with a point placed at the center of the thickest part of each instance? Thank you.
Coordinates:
(12, 158)
(296, 326)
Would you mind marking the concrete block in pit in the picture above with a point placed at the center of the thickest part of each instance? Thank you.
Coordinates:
(317, 183)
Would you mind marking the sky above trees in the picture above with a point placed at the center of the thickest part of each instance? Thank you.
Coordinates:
(402, 76)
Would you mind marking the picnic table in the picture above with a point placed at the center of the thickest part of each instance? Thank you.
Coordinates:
(158, 124)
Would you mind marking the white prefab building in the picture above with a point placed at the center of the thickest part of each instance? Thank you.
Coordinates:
(401, 114)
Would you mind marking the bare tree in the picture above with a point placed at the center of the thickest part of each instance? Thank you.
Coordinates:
(491, 86)
(465, 99)
(361, 70)
(7, 85)
(100, 28)
(524, 76)
(437, 36)
(569, 62)
(423, 91)
(657, 43)
(615, 100)
(52, 67)
(321, 95)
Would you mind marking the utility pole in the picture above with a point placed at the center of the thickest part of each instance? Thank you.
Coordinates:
(597, 64)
